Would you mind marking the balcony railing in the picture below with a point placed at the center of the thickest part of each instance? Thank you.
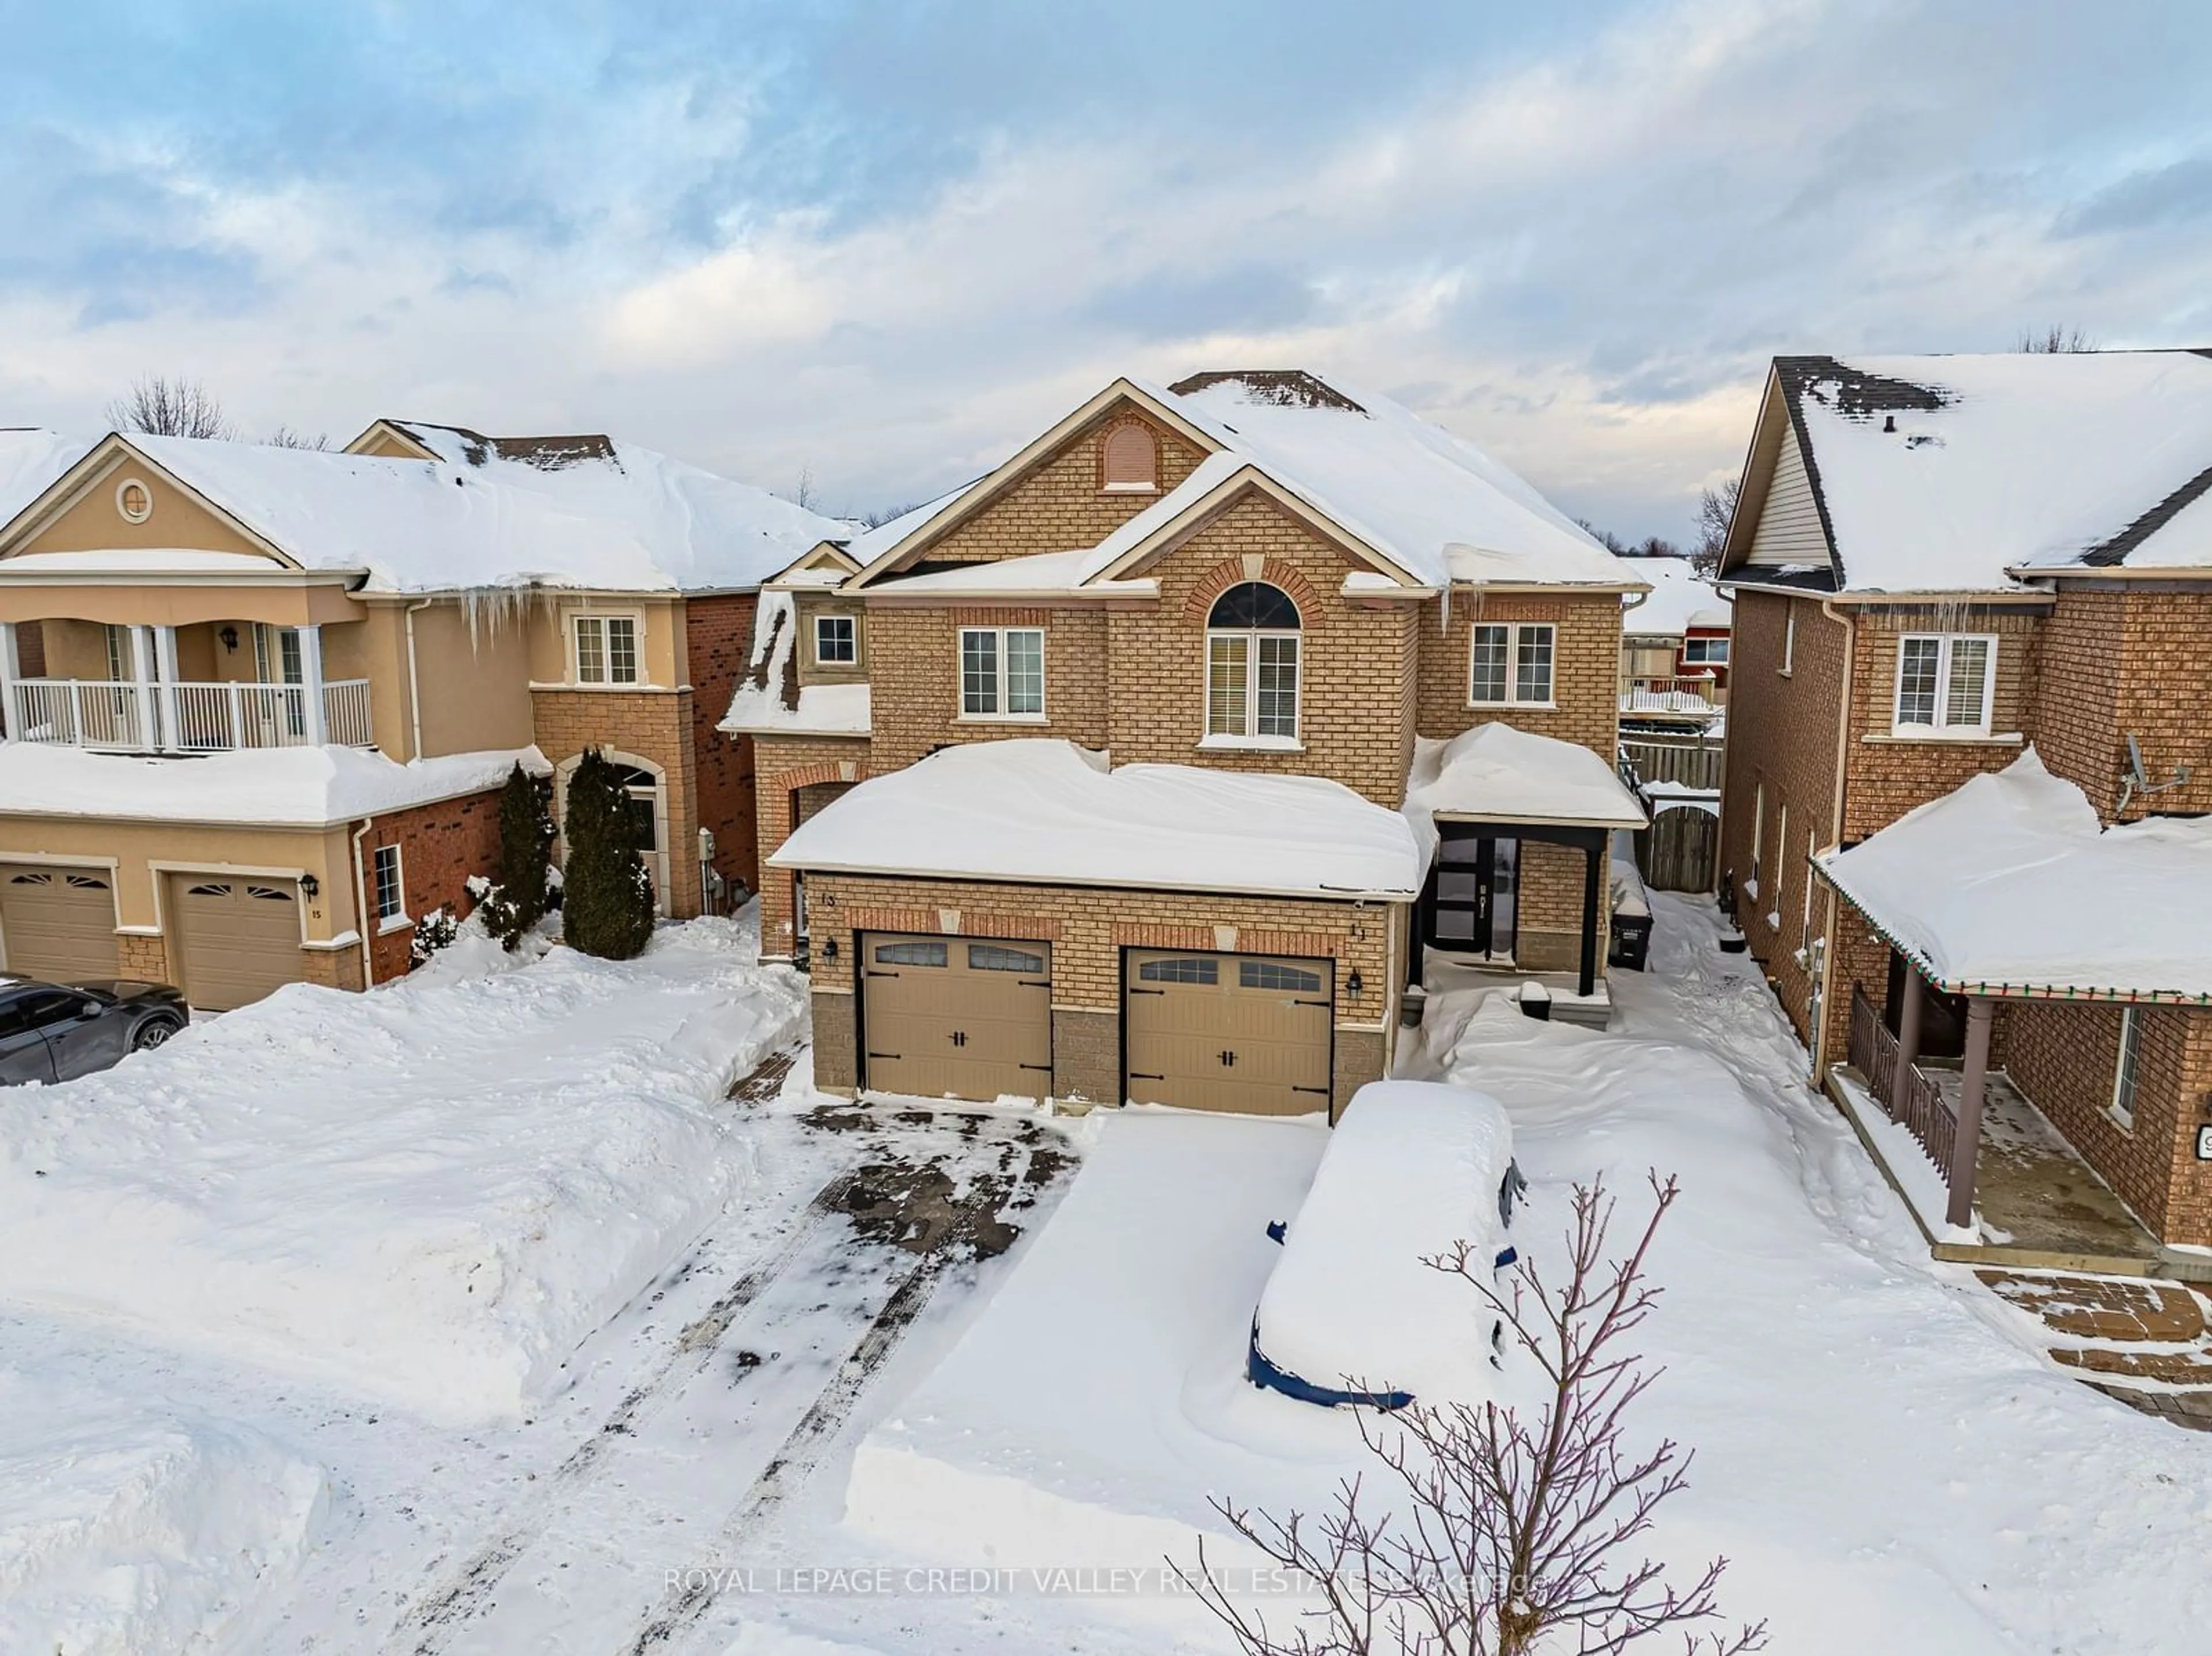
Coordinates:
(78, 713)
(1692, 695)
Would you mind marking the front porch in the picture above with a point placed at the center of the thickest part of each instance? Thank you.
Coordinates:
(2030, 1200)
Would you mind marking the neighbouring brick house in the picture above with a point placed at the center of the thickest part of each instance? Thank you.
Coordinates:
(258, 702)
(1938, 563)
(1254, 579)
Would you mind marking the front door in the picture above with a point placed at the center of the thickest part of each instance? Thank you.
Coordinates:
(1476, 905)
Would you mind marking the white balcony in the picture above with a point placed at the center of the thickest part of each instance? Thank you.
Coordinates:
(1695, 696)
(160, 718)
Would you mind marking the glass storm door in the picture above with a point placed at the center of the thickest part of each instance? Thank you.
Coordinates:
(1477, 906)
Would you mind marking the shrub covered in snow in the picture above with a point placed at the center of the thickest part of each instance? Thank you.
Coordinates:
(434, 931)
(518, 899)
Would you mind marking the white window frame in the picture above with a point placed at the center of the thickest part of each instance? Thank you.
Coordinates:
(1691, 646)
(2127, 1067)
(1518, 639)
(398, 917)
(852, 625)
(1758, 837)
(996, 714)
(1946, 643)
(1805, 920)
(578, 620)
(1253, 638)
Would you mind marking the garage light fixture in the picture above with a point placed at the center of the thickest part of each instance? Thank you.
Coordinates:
(830, 949)
(1352, 985)
(310, 886)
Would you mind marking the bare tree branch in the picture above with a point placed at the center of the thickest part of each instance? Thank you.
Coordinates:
(162, 407)
(1501, 1537)
(2055, 341)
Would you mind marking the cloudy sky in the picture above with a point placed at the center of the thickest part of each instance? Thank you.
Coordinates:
(882, 244)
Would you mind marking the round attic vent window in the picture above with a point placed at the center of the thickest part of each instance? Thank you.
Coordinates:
(134, 500)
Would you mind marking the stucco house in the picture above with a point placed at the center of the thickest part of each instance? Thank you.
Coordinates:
(1157, 763)
(1939, 564)
(257, 700)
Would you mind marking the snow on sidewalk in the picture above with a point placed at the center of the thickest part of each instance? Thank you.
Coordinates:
(428, 1195)
(128, 1527)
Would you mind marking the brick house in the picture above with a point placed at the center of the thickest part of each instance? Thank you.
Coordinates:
(1939, 563)
(257, 701)
(1253, 579)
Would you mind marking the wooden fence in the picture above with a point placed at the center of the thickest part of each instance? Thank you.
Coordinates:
(1654, 759)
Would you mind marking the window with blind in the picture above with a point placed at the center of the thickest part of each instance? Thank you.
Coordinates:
(1945, 684)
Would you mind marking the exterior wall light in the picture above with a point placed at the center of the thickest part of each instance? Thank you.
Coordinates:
(310, 886)
(1352, 985)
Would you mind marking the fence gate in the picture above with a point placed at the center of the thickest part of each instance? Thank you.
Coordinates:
(1681, 850)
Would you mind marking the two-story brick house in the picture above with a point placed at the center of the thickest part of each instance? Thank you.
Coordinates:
(257, 700)
(1250, 579)
(1938, 563)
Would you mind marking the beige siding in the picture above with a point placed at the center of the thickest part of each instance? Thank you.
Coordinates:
(1789, 525)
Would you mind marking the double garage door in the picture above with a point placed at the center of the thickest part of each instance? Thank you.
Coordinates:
(962, 1017)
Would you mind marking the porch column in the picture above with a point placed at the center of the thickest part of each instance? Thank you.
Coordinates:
(1908, 1033)
(1966, 1148)
(143, 676)
(1594, 857)
(11, 669)
(317, 721)
(165, 695)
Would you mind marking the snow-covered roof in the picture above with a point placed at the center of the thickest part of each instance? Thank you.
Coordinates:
(1433, 503)
(30, 461)
(1413, 1169)
(1043, 809)
(612, 516)
(1681, 598)
(168, 561)
(1495, 772)
(769, 696)
(277, 787)
(1433, 508)
(1941, 473)
(2008, 882)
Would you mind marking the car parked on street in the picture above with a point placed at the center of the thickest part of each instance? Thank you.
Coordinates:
(57, 1032)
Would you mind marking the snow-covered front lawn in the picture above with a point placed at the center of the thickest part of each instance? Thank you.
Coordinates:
(429, 1195)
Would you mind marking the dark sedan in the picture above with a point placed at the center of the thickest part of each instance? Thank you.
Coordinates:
(57, 1032)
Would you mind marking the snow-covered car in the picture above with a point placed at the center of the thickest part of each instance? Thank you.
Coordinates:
(57, 1032)
(1350, 1314)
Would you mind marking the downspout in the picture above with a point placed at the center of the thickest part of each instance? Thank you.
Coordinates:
(414, 686)
(361, 906)
(1835, 826)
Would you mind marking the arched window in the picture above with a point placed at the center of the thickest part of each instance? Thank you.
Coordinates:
(1252, 665)
(1131, 463)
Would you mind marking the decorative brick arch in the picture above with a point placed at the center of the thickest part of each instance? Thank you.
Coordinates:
(828, 770)
(1274, 572)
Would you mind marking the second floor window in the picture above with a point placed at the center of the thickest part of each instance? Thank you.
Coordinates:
(1946, 682)
(1252, 665)
(606, 650)
(837, 640)
(1002, 672)
(1707, 652)
(1511, 665)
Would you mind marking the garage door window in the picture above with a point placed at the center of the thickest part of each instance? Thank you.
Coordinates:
(990, 957)
(1270, 974)
(911, 954)
(1196, 968)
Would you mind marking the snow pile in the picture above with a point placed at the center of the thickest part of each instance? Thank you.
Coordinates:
(284, 787)
(1494, 773)
(2026, 459)
(126, 1528)
(428, 1194)
(1412, 1169)
(2009, 881)
(1044, 809)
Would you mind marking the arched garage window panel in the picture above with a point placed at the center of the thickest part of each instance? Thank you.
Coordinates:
(1252, 665)
(1131, 463)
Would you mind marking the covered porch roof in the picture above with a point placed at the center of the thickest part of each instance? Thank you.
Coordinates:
(1497, 773)
(1046, 811)
(2010, 887)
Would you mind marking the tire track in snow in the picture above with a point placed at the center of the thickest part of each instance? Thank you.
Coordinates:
(466, 1590)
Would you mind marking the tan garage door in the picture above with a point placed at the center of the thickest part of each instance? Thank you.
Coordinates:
(58, 923)
(235, 939)
(1246, 1032)
(956, 1017)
